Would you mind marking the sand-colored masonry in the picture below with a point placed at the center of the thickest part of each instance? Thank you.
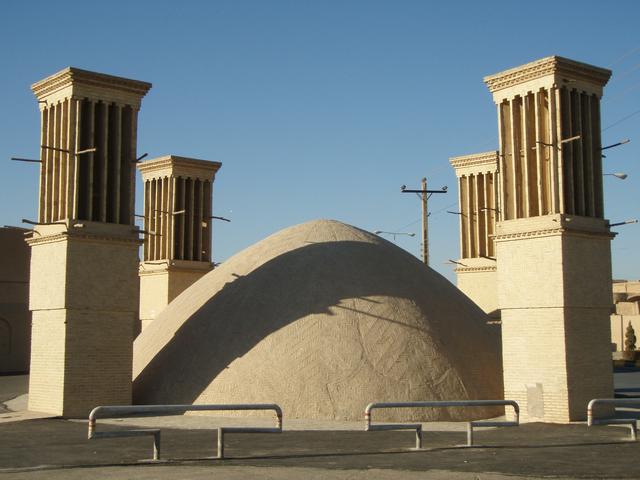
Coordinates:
(84, 252)
(552, 243)
(477, 197)
(178, 224)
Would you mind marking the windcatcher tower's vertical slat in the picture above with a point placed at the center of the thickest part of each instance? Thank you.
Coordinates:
(476, 269)
(84, 253)
(552, 244)
(177, 219)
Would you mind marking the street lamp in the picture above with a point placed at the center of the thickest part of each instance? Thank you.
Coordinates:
(453, 262)
(621, 176)
(393, 234)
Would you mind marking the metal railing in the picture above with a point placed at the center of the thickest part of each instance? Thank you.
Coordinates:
(440, 404)
(615, 402)
(125, 410)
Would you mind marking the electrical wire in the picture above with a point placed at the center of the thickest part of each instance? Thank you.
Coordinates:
(420, 218)
(625, 55)
(623, 119)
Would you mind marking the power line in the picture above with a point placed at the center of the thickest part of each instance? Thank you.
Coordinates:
(627, 72)
(430, 214)
(623, 94)
(625, 55)
(408, 224)
(444, 208)
(623, 119)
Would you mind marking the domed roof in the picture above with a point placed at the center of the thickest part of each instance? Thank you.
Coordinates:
(321, 318)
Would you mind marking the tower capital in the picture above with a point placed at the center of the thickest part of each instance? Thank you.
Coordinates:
(176, 166)
(74, 82)
(545, 73)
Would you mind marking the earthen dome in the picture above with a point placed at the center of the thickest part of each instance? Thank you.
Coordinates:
(321, 318)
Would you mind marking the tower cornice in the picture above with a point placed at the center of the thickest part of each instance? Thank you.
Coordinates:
(562, 68)
(173, 165)
(475, 163)
(73, 81)
(546, 73)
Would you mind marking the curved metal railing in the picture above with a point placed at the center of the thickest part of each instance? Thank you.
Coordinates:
(119, 411)
(614, 402)
(440, 404)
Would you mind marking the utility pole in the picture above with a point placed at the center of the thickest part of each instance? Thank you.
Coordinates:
(425, 223)
(424, 195)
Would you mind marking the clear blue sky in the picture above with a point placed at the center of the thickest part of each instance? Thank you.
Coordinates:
(320, 109)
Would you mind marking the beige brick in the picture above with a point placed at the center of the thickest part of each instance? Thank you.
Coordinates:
(83, 332)
(160, 284)
(555, 317)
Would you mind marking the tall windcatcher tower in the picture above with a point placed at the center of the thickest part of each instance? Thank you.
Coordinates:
(552, 243)
(178, 194)
(84, 251)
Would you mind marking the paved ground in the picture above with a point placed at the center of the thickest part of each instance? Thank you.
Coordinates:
(12, 387)
(58, 449)
(54, 448)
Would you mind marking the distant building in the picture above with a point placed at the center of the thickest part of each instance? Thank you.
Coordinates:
(626, 299)
(15, 317)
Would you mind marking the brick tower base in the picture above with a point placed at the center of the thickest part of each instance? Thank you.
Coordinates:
(554, 291)
(84, 299)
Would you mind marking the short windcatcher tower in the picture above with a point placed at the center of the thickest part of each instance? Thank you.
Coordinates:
(178, 223)
(476, 270)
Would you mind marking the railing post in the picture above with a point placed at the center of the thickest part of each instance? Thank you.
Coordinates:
(156, 445)
(220, 442)
(419, 438)
(469, 434)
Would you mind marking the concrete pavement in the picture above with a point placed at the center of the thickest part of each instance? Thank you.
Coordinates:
(58, 449)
